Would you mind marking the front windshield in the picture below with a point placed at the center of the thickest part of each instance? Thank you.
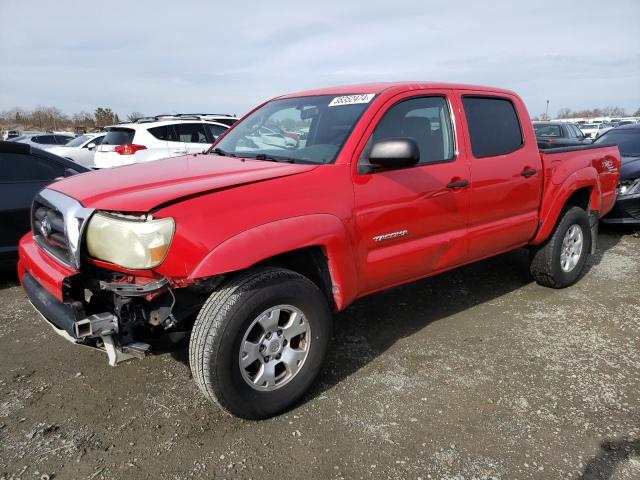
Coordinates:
(78, 141)
(589, 125)
(628, 141)
(302, 129)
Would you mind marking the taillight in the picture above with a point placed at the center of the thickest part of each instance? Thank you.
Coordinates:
(128, 149)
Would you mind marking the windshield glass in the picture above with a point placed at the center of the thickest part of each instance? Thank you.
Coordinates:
(589, 125)
(78, 141)
(628, 141)
(303, 129)
(543, 130)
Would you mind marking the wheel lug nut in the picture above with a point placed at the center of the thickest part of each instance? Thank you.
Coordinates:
(279, 333)
(268, 335)
(278, 356)
(267, 358)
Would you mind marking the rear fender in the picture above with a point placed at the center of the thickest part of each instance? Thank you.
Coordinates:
(268, 240)
(556, 196)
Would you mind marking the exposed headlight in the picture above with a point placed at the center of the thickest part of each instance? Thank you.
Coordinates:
(131, 243)
(628, 187)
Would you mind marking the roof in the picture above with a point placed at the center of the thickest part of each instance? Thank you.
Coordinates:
(160, 123)
(380, 87)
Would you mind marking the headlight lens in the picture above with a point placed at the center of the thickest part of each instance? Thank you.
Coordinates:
(628, 187)
(132, 244)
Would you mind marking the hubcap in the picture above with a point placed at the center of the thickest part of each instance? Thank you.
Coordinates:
(571, 248)
(274, 347)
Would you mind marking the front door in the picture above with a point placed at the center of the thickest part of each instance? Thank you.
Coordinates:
(412, 221)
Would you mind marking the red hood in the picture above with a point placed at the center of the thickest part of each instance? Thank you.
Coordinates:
(143, 186)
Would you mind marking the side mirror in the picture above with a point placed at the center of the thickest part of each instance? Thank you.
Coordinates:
(394, 153)
(91, 146)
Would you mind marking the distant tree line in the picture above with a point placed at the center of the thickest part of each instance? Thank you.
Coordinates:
(53, 119)
(596, 112)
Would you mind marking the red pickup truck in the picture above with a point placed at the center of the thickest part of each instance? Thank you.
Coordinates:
(309, 202)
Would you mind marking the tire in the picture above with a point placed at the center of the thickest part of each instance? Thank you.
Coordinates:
(547, 267)
(225, 322)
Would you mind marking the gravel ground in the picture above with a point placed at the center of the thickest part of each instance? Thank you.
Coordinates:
(475, 374)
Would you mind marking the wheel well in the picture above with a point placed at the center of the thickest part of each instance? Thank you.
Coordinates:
(310, 262)
(580, 198)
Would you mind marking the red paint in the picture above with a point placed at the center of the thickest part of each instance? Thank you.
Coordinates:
(232, 213)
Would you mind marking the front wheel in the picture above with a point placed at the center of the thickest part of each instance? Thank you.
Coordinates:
(259, 342)
(559, 261)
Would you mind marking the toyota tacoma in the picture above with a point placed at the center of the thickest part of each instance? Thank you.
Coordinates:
(308, 203)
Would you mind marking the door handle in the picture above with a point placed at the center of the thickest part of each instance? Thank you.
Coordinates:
(458, 184)
(528, 172)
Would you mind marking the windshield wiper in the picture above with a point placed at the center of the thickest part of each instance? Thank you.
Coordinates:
(271, 158)
(222, 153)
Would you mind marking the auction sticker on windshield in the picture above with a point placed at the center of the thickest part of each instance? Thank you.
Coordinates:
(352, 99)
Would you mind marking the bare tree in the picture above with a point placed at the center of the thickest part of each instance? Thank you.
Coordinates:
(135, 116)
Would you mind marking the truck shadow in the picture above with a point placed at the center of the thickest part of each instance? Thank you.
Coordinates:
(373, 324)
(612, 453)
(8, 279)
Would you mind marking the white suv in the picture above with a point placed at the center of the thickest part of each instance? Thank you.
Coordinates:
(154, 138)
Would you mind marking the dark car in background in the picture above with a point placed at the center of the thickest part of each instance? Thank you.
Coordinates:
(627, 207)
(44, 140)
(558, 134)
(24, 171)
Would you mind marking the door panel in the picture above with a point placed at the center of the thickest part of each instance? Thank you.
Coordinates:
(409, 223)
(506, 178)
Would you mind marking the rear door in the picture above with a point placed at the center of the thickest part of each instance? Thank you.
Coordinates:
(21, 177)
(506, 176)
(412, 221)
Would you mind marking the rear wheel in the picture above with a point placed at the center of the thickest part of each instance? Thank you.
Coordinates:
(559, 262)
(259, 342)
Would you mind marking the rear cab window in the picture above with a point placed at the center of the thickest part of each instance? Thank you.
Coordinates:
(494, 128)
(119, 136)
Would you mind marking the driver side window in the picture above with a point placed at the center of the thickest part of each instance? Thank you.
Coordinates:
(425, 120)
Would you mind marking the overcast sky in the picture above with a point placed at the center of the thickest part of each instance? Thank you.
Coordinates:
(186, 56)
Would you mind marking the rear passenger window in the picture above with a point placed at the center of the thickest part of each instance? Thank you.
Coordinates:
(17, 167)
(493, 126)
(164, 132)
(190, 133)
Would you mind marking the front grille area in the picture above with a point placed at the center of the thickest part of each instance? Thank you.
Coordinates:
(48, 231)
(57, 224)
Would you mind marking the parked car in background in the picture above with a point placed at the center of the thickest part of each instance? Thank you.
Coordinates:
(251, 246)
(9, 134)
(223, 118)
(627, 206)
(154, 138)
(626, 122)
(23, 172)
(44, 141)
(558, 134)
(81, 149)
(594, 130)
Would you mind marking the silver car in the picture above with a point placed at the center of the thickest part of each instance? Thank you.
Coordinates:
(81, 149)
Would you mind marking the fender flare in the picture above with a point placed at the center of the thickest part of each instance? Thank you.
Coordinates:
(261, 242)
(558, 194)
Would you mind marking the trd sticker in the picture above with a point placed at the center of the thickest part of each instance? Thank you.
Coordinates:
(352, 99)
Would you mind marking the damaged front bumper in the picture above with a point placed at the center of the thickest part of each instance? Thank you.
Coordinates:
(70, 321)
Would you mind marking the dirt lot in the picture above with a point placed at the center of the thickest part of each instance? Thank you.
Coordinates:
(478, 373)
